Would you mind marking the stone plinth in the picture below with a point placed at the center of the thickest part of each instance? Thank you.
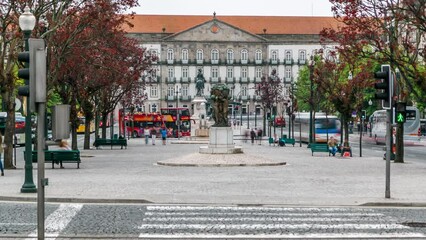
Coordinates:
(199, 127)
(221, 141)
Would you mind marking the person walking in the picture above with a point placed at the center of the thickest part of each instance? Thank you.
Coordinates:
(252, 136)
(2, 146)
(153, 135)
(259, 136)
(146, 134)
(163, 132)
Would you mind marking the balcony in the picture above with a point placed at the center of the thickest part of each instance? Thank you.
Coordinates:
(170, 61)
(215, 61)
(288, 61)
(185, 98)
(214, 79)
(244, 98)
(230, 80)
(170, 98)
(274, 61)
(170, 80)
(245, 61)
(257, 80)
(258, 61)
(199, 61)
(244, 79)
(288, 79)
(185, 79)
(185, 61)
(230, 61)
(256, 97)
(302, 61)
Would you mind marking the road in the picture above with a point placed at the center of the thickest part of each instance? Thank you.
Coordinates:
(88, 221)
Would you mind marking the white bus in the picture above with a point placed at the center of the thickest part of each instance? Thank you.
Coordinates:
(326, 126)
(412, 130)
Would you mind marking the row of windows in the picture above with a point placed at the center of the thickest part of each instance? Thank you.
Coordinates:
(214, 73)
(214, 55)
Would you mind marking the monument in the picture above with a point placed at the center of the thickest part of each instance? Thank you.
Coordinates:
(199, 129)
(221, 137)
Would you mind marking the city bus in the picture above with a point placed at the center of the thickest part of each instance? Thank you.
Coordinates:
(325, 126)
(412, 128)
(134, 124)
(170, 120)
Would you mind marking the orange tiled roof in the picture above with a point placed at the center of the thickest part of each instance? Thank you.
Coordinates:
(252, 24)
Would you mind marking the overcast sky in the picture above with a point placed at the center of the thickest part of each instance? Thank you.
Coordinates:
(236, 7)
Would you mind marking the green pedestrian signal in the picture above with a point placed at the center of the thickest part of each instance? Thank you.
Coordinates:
(400, 118)
(400, 112)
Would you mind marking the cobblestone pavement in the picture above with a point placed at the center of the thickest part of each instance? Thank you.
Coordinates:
(89, 221)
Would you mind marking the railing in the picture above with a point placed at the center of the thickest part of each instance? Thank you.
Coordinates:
(185, 79)
(170, 80)
(288, 61)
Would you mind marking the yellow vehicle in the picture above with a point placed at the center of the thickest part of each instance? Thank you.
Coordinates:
(82, 125)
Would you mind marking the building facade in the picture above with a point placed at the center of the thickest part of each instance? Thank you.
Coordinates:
(234, 50)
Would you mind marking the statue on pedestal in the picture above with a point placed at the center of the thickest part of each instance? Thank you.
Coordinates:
(219, 95)
(199, 83)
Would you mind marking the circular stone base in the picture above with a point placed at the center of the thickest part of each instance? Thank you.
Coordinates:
(221, 150)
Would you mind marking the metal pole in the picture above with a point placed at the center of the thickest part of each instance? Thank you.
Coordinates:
(42, 182)
(248, 116)
(388, 151)
(360, 137)
(255, 115)
(178, 115)
(28, 186)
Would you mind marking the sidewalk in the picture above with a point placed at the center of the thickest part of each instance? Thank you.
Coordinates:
(138, 175)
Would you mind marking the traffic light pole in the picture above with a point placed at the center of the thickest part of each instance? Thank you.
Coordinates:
(28, 186)
(388, 150)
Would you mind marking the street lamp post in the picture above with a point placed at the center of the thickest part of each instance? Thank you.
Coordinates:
(27, 23)
(177, 113)
(311, 78)
(255, 114)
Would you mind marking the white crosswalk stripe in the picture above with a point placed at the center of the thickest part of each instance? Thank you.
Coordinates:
(269, 222)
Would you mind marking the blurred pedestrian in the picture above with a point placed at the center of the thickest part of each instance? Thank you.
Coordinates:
(63, 145)
(153, 135)
(163, 132)
(259, 136)
(2, 146)
(252, 136)
(146, 134)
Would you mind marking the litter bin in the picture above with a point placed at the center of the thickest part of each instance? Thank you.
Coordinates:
(115, 136)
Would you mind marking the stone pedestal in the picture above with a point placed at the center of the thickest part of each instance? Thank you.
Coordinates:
(197, 128)
(221, 141)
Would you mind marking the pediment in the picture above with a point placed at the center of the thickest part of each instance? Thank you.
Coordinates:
(215, 30)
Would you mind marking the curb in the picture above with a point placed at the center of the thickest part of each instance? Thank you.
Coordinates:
(221, 164)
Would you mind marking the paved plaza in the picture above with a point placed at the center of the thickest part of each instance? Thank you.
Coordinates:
(177, 174)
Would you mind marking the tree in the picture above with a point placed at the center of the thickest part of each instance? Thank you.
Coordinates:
(270, 91)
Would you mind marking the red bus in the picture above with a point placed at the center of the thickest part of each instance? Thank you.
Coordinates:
(170, 116)
(135, 123)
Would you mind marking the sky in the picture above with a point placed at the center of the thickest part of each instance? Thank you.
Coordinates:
(236, 7)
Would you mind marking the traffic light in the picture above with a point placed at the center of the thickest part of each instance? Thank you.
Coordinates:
(400, 112)
(384, 86)
(363, 114)
(25, 73)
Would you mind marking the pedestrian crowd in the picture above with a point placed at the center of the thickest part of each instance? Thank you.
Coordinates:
(255, 134)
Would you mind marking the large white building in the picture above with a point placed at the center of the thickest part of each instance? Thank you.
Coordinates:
(236, 50)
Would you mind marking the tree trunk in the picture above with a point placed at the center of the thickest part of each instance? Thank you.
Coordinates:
(9, 103)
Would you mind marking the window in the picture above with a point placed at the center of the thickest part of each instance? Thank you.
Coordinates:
(184, 72)
(258, 55)
(170, 90)
(230, 72)
(274, 55)
(302, 55)
(154, 54)
(230, 55)
(258, 72)
(170, 55)
(243, 90)
(244, 72)
(288, 72)
(154, 91)
(200, 55)
(153, 108)
(215, 55)
(244, 55)
(184, 90)
(288, 56)
(214, 72)
(184, 54)
(171, 73)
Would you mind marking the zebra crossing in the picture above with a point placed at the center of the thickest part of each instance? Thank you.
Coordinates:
(216, 222)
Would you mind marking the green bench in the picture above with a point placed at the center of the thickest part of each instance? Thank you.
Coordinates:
(319, 147)
(58, 157)
(110, 142)
(291, 141)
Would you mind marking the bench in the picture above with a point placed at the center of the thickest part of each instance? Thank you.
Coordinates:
(291, 141)
(58, 157)
(319, 147)
(110, 142)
